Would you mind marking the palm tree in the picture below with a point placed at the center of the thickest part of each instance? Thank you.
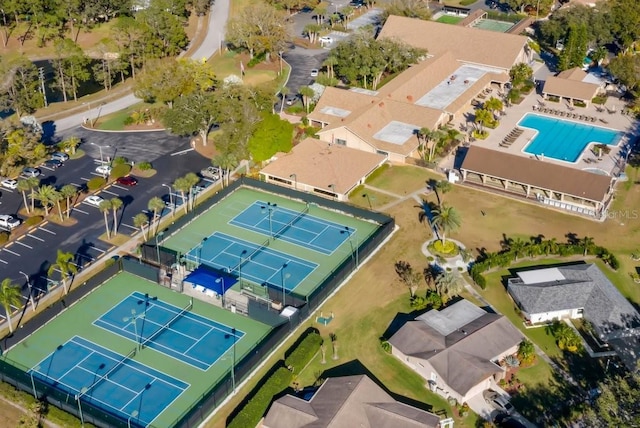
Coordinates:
(140, 220)
(156, 205)
(283, 93)
(226, 162)
(192, 180)
(57, 197)
(493, 104)
(116, 204)
(28, 185)
(307, 94)
(516, 246)
(64, 264)
(448, 284)
(68, 191)
(445, 219)
(441, 187)
(482, 117)
(319, 12)
(586, 243)
(183, 186)
(520, 72)
(105, 207)
(330, 63)
(46, 195)
(71, 144)
(10, 295)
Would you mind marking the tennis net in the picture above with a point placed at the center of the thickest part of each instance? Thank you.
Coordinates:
(298, 216)
(119, 364)
(244, 260)
(167, 325)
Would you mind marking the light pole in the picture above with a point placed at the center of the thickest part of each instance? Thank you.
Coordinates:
(159, 235)
(100, 147)
(280, 53)
(134, 414)
(220, 280)
(134, 318)
(33, 305)
(173, 207)
(204, 240)
(242, 254)
(270, 208)
(41, 77)
(33, 383)
(78, 396)
(295, 181)
(350, 233)
(366, 195)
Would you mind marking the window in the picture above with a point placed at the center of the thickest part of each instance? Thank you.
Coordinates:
(340, 142)
(434, 376)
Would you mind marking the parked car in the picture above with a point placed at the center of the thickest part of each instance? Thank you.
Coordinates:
(326, 40)
(9, 183)
(103, 170)
(127, 181)
(290, 100)
(211, 172)
(498, 401)
(314, 72)
(52, 163)
(9, 222)
(31, 172)
(94, 200)
(505, 421)
(62, 157)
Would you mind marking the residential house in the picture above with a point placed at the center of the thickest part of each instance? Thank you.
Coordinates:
(458, 349)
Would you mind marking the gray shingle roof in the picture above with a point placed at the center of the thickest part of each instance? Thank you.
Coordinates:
(349, 401)
(462, 357)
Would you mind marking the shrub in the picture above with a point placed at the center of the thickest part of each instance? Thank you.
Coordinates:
(386, 346)
(304, 352)
(600, 100)
(579, 104)
(418, 302)
(120, 160)
(433, 299)
(272, 135)
(4, 237)
(144, 166)
(32, 221)
(128, 121)
(257, 405)
(613, 262)
(480, 135)
(511, 361)
(120, 171)
(95, 183)
(257, 59)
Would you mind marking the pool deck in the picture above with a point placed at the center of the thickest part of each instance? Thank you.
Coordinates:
(514, 114)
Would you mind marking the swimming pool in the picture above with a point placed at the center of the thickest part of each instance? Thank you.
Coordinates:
(564, 140)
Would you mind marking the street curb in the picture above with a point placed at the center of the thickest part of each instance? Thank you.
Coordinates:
(110, 131)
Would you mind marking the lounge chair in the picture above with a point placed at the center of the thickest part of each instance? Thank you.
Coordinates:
(592, 118)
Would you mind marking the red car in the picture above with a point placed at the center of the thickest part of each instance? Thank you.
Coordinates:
(127, 181)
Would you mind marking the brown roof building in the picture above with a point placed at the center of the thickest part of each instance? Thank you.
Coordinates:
(571, 85)
(322, 168)
(569, 189)
(349, 401)
(457, 349)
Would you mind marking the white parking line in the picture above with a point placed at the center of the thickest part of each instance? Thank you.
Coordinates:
(130, 227)
(111, 193)
(85, 179)
(3, 261)
(11, 252)
(35, 237)
(4, 189)
(46, 230)
(80, 211)
(24, 245)
(97, 249)
(97, 174)
(119, 187)
(46, 167)
(77, 185)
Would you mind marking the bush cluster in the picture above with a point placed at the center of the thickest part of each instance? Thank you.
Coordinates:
(4, 237)
(95, 183)
(32, 221)
(144, 166)
(304, 352)
(120, 170)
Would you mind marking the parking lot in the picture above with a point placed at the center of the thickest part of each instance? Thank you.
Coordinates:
(33, 251)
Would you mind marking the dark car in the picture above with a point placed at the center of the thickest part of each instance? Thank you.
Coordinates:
(52, 163)
(127, 181)
(505, 421)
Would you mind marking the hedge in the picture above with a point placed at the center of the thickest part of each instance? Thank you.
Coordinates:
(304, 352)
(257, 406)
(95, 183)
(32, 221)
(120, 171)
(4, 237)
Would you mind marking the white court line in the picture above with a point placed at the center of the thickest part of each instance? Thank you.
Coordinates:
(80, 211)
(35, 237)
(46, 230)
(111, 193)
(11, 252)
(3, 261)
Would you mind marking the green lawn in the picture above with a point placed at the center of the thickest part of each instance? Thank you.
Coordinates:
(448, 19)
(368, 198)
(403, 179)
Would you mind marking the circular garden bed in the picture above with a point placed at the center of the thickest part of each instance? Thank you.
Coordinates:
(448, 250)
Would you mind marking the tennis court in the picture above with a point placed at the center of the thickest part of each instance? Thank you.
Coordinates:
(299, 228)
(251, 262)
(174, 331)
(108, 380)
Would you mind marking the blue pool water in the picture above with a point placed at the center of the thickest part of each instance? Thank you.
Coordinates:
(564, 140)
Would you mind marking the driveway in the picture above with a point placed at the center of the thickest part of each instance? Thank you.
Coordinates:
(487, 412)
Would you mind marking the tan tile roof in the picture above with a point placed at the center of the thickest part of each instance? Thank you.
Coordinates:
(340, 98)
(556, 85)
(471, 45)
(575, 73)
(545, 175)
(319, 164)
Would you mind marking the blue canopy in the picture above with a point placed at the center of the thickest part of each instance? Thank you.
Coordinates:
(207, 278)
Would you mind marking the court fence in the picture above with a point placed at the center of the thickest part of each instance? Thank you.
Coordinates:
(148, 265)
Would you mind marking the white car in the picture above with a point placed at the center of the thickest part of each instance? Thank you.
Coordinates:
(498, 401)
(9, 222)
(326, 40)
(9, 183)
(314, 72)
(94, 200)
(103, 170)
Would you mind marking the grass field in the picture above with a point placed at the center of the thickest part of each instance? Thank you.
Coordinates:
(448, 19)
(77, 321)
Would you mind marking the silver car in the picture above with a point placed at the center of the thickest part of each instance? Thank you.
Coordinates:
(9, 222)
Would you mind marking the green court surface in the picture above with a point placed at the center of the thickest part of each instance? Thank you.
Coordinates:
(218, 218)
(449, 19)
(77, 322)
(494, 25)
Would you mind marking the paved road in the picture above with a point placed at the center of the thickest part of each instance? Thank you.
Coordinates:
(212, 41)
(34, 252)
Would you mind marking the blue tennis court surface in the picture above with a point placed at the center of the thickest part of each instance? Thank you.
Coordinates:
(251, 262)
(188, 337)
(78, 367)
(299, 228)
